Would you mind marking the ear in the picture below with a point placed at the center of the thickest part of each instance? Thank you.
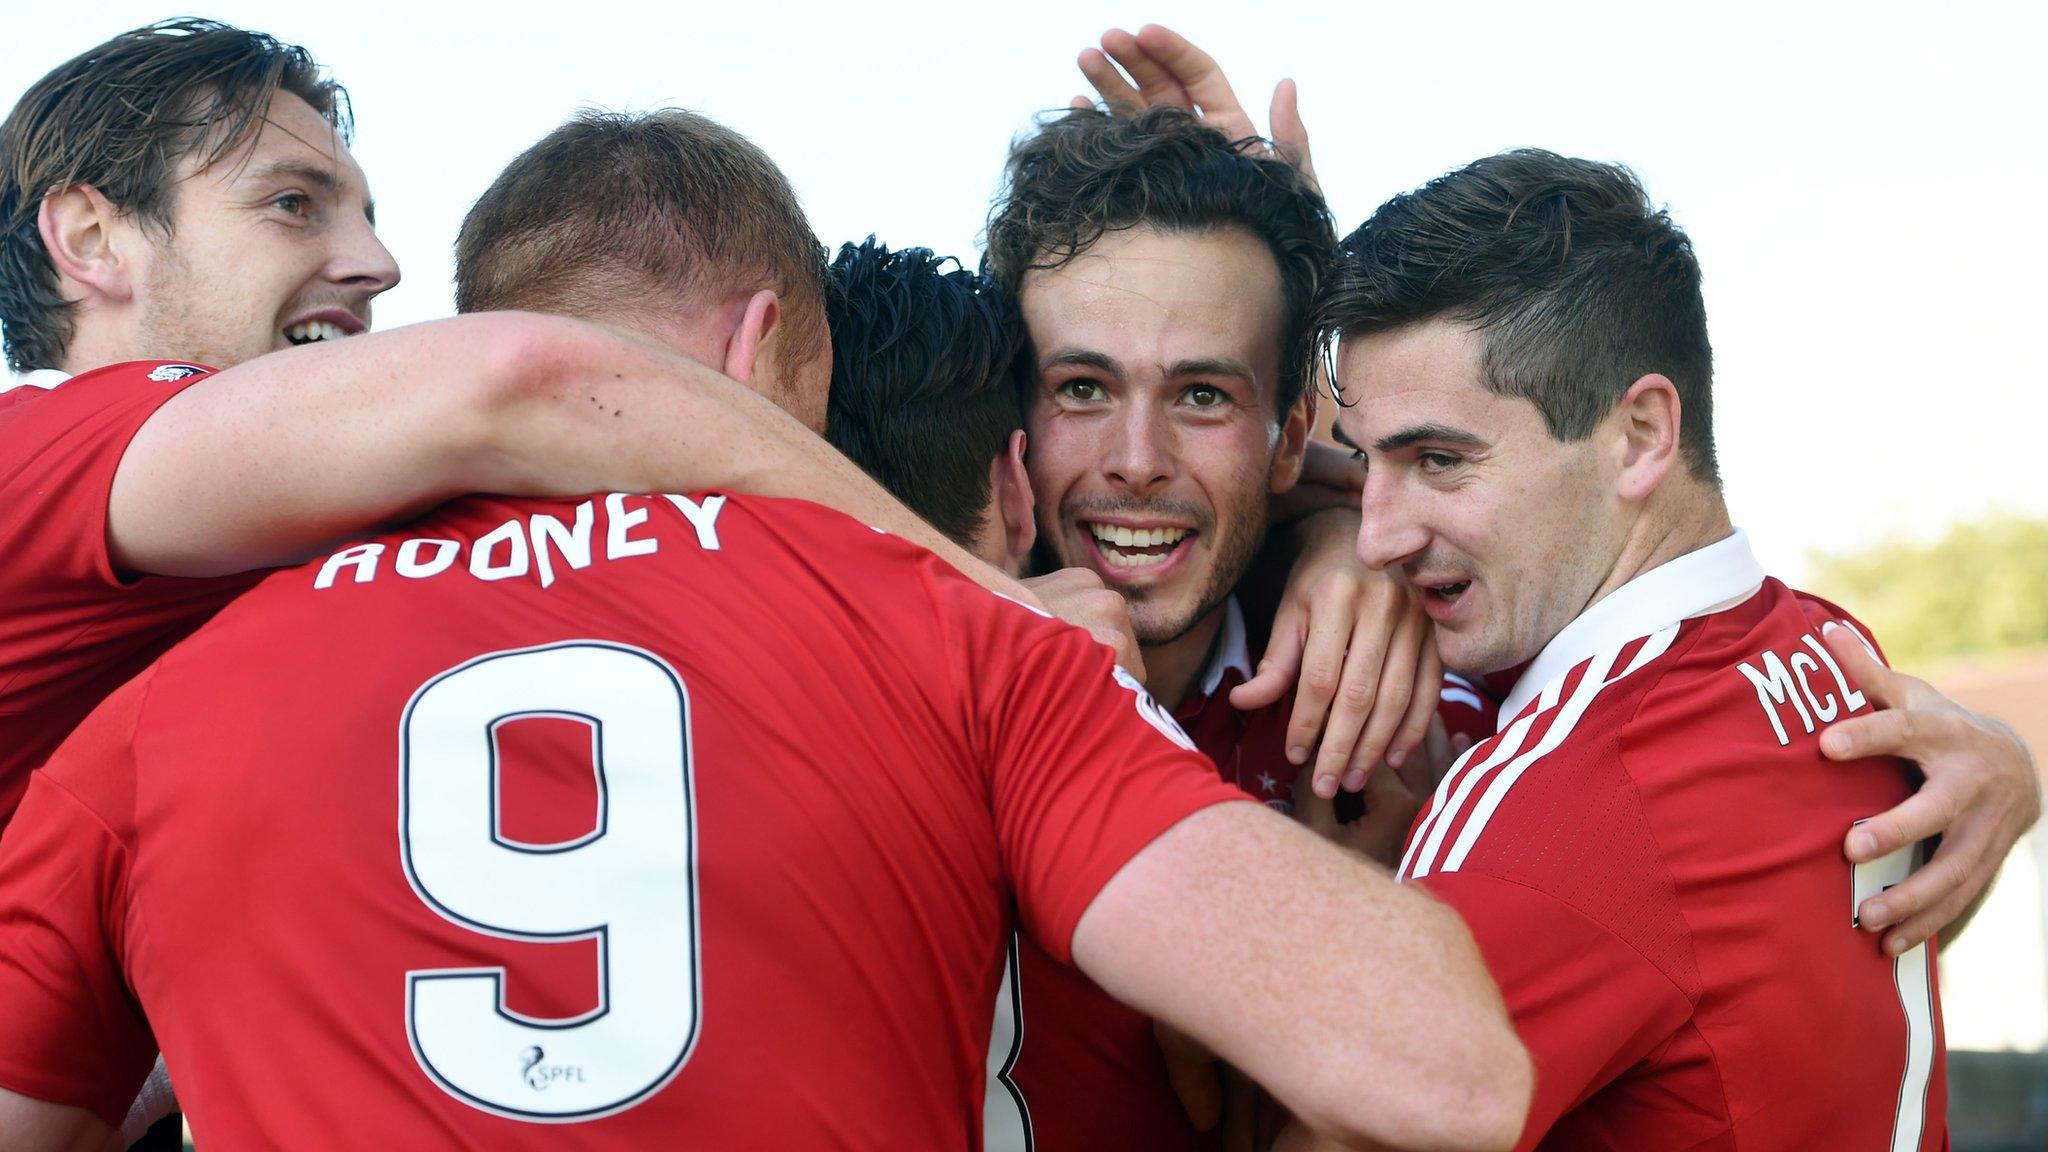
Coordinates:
(84, 235)
(743, 350)
(1014, 507)
(1294, 429)
(1647, 424)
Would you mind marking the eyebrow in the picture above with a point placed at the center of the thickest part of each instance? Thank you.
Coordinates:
(312, 174)
(1337, 434)
(1082, 358)
(1212, 366)
(1428, 433)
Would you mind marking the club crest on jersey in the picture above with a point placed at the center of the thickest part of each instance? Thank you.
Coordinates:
(1153, 714)
(165, 373)
(539, 1075)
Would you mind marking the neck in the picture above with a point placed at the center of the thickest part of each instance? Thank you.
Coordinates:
(1171, 668)
(1674, 524)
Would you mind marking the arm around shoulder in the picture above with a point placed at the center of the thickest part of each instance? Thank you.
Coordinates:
(1363, 1006)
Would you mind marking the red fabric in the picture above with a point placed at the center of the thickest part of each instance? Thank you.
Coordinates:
(71, 628)
(1088, 1069)
(1662, 896)
(879, 756)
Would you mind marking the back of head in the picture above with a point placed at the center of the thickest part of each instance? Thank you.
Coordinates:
(923, 393)
(1085, 173)
(121, 117)
(1576, 283)
(617, 216)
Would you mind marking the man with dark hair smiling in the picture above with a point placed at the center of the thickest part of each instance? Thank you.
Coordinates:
(1649, 851)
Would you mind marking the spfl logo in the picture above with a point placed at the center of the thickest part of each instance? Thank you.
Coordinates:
(539, 1075)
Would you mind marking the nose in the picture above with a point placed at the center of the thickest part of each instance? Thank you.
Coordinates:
(1141, 457)
(1388, 530)
(361, 262)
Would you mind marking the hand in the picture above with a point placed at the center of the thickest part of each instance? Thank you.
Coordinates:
(1079, 597)
(1330, 478)
(1214, 1093)
(1170, 70)
(1981, 792)
(1358, 651)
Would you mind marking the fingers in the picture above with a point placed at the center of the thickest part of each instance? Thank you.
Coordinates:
(1290, 135)
(1197, 74)
(1278, 668)
(1191, 1069)
(1394, 702)
(1318, 814)
(1116, 92)
(1925, 813)
(1429, 686)
(1336, 694)
(1155, 84)
(1903, 732)
(1862, 667)
(1389, 812)
(1081, 102)
(1930, 899)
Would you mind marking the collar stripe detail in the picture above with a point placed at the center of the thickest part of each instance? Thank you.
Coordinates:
(1594, 676)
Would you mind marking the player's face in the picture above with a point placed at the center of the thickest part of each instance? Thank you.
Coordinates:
(1154, 437)
(1506, 532)
(271, 246)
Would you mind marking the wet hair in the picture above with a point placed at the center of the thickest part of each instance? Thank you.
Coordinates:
(924, 393)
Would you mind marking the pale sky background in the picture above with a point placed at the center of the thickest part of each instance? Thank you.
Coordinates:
(1861, 180)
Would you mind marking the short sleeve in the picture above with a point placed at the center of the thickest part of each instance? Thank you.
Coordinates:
(1085, 771)
(73, 1035)
(1586, 1004)
(73, 628)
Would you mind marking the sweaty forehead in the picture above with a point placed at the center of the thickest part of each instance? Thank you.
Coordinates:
(1146, 298)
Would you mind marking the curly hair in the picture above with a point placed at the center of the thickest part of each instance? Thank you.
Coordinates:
(1086, 172)
(120, 117)
(922, 395)
(1577, 285)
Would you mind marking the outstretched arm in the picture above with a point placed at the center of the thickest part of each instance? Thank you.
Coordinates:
(1385, 1029)
(275, 460)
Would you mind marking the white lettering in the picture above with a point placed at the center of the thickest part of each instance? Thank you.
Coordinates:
(703, 517)
(1851, 698)
(1802, 664)
(1778, 688)
(410, 565)
(619, 522)
(512, 536)
(573, 543)
(363, 556)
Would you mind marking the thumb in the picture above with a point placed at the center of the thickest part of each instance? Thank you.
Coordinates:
(1279, 667)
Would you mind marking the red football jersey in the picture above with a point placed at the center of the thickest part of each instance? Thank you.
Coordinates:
(581, 824)
(1072, 1068)
(71, 628)
(1650, 856)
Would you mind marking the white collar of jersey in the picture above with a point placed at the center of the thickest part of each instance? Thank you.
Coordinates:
(1699, 583)
(1232, 650)
(40, 378)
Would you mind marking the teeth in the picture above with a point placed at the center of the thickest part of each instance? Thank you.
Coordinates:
(312, 330)
(1122, 537)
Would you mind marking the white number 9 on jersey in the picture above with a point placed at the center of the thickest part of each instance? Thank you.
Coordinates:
(631, 885)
